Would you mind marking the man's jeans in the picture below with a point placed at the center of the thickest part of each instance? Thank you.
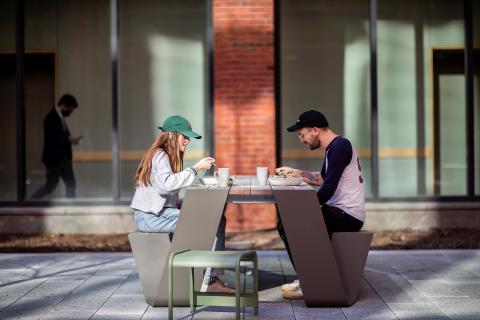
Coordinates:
(167, 220)
(337, 220)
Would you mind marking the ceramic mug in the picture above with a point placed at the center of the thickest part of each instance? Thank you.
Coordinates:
(262, 175)
(223, 174)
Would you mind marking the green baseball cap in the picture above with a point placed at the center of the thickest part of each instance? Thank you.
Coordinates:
(179, 124)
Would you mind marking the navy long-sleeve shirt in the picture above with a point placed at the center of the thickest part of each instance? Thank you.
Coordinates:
(343, 185)
(338, 155)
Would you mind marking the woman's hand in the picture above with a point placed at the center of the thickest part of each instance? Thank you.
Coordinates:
(289, 171)
(204, 164)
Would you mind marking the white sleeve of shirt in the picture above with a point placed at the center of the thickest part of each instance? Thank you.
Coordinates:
(164, 179)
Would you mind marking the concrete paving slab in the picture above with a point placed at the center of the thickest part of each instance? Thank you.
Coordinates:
(270, 264)
(114, 270)
(459, 308)
(436, 288)
(424, 311)
(369, 306)
(390, 285)
(404, 263)
(101, 285)
(131, 285)
(301, 312)
(64, 315)
(162, 313)
(447, 268)
(55, 287)
(421, 275)
(410, 285)
(124, 304)
(471, 288)
(81, 302)
(29, 308)
(220, 313)
(19, 287)
(116, 317)
(273, 310)
(5, 301)
(287, 267)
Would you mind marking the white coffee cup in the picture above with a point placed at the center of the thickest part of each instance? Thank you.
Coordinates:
(262, 175)
(223, 174)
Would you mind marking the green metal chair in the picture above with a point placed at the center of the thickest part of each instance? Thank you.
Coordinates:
(215, 259)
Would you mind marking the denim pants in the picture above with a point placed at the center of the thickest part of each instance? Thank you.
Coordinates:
(167, 220)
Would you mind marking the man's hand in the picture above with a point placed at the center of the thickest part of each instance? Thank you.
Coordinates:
(75, 140)
(289, 171)
(313, 178)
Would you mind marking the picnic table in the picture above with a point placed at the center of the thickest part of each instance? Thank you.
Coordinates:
(329, 271)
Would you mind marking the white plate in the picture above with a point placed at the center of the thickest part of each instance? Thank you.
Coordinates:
(290, 181)
(209, 181)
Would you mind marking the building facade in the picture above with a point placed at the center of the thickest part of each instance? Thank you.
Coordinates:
(400, 79)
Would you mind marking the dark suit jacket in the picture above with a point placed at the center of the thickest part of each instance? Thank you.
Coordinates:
(56, 146)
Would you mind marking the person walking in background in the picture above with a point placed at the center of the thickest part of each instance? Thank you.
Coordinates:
(341, 193)
(158, 180)
(57, 148)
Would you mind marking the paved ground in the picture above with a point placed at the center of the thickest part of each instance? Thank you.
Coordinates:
(437, 284)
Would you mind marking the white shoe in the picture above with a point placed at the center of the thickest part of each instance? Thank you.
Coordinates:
(292, 286)
(296, 294)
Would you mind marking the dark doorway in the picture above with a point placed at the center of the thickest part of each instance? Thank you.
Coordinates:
(8, 141)
(449, 121)
(39, 99)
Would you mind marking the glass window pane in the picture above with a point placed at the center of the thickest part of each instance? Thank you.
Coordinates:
(163, 71)
(326, 66)
(421, 86)
(476, 89)
(8, 140)
(67, 51)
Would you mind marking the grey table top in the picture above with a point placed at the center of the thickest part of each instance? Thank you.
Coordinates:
(245, 189)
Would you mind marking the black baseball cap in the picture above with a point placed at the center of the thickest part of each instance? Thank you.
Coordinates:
(309, 119)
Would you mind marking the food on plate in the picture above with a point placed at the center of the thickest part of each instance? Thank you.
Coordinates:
(280, 180)
(208, 180)
(212, 181)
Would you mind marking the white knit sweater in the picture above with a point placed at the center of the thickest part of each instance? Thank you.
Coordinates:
(165, 186)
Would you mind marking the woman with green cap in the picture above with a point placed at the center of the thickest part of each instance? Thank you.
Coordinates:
(158, 180)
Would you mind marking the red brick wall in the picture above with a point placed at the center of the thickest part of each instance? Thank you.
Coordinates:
(244, 98)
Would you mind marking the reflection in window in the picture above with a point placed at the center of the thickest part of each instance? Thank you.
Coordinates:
(326, 66)
(8, 160)
(163, 71)
(476, 90)
(67, 51)
(412, 130)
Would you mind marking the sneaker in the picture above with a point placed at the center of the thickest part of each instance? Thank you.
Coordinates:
(287, 287)
(219, 286)
(296, 294)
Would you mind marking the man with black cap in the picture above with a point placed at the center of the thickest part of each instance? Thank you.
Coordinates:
(341, 192)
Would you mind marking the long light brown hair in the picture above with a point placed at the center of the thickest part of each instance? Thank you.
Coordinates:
(168, 142)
